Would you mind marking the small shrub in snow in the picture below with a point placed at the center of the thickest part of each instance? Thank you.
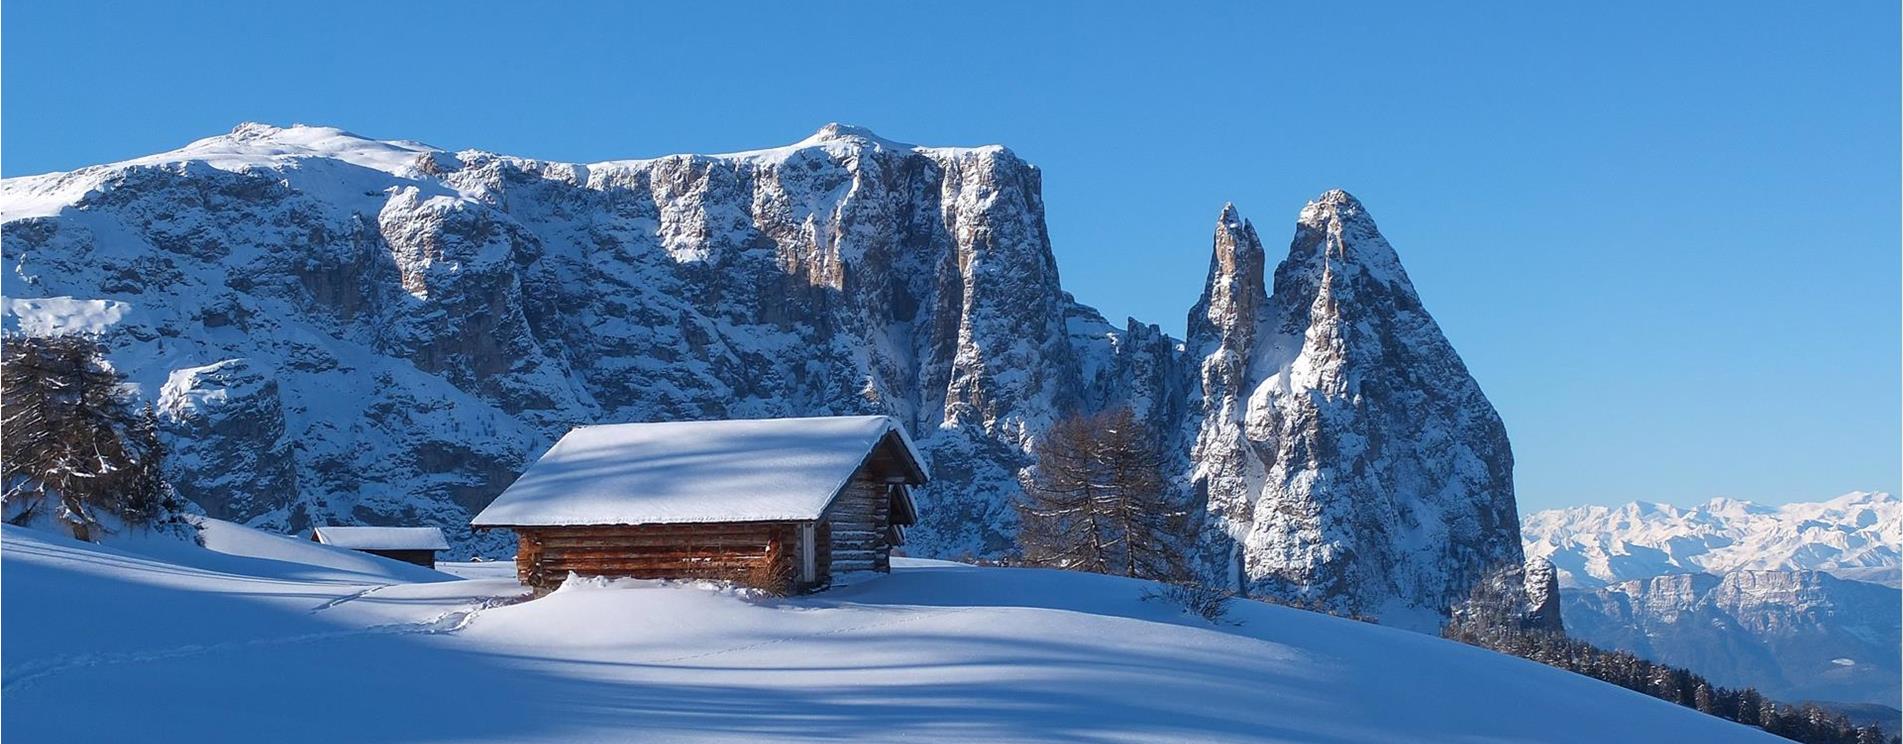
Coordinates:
(1206, 602)
(772, 577)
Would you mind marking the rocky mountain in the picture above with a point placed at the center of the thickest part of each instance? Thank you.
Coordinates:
(1340, 446)
(338, 328)
(1795, 635)
(1854, 536)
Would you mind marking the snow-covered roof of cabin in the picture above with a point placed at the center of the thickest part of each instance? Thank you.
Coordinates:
(754, 470)
(382, 538)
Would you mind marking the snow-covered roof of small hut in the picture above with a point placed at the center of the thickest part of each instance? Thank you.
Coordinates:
(382, 538)
(753, 470)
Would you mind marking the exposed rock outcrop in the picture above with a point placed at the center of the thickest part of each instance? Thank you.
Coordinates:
(1348, 457)
(231, 455)
(1542, 596)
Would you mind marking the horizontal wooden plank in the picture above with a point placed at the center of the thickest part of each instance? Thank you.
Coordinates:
(618, 555)
(860, 508)
(651, 560)
(657, 568)
(636, 543)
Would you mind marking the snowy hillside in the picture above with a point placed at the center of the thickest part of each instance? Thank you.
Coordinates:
(1855, 536)
(338, 329)
(256, 644)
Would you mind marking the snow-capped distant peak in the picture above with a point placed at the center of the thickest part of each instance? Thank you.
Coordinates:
(1854, 535)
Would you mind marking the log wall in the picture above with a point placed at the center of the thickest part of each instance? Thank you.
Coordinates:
(858, 520)
(750, 553)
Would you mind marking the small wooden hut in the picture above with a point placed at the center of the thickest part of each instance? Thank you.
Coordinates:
(781, 504)
(416, 545)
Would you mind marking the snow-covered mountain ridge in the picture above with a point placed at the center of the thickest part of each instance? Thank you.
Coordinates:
(342, 329)
(1856, 536)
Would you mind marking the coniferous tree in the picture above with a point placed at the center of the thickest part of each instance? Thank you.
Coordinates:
(1770, 718)
(70, 446)
(63, 410)
(146, 498)
(1147, 527)
(1749, 704)
(1096, 500)
(1062, 523)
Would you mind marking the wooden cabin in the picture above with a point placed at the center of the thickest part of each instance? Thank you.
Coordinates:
(416, 545)
(779, 504)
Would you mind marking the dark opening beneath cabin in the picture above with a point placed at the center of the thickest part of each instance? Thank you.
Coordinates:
(779, 504)
(416, 545)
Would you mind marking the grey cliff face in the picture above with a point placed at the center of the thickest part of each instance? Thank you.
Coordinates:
(350, 330)
(201, 409)
(1346, 455)
(431, 321)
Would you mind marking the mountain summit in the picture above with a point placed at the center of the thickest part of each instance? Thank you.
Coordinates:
(346, 330)
(1346, 453)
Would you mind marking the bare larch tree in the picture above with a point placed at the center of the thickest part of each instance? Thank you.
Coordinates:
(1097, 500)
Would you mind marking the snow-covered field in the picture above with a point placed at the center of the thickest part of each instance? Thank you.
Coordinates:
(264, 638)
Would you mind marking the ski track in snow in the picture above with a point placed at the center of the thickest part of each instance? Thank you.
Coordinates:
(353, 596)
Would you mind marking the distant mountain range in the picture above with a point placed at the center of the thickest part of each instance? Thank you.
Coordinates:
(1798, 600)
(1794, 635)
(1854, 536)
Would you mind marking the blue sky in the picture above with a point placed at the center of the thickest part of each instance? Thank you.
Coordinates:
(1664, 236)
